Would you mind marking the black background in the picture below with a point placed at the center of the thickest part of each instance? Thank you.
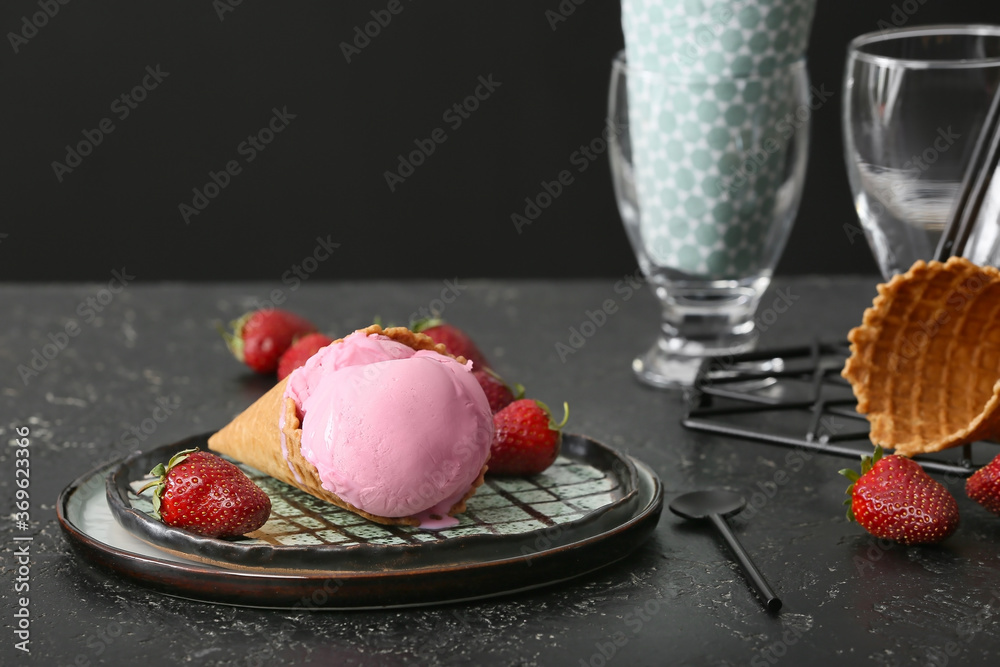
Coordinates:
(323, 176)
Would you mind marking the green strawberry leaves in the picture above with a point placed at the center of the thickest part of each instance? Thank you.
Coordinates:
(867, 462)
(516, 389)
(553, 425)
(234, 339)
(159, 484)
(421, 325)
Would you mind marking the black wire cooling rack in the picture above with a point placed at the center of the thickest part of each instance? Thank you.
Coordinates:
(794, 397)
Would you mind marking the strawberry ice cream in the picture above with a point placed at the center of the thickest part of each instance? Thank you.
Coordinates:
(393, 431)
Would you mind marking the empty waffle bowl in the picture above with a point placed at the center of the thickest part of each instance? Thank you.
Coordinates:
(925, 362)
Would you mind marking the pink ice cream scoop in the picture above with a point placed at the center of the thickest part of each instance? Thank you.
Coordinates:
(393, 431)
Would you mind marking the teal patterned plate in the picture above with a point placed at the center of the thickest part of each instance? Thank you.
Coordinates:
(588, 489)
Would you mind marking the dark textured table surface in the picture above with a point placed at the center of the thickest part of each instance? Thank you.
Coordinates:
(677, 600)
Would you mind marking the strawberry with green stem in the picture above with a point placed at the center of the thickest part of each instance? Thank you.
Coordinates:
(526, 438)
(894, 498)
(498, 392)
(260, 337)
(207, 495)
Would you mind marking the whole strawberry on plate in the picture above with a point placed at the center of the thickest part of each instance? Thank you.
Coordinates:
(498, 392)
(300, 352)
(984, 486)
(457, 341)
(260, 337)
(893, 498)
(526, 439)
(205, 494)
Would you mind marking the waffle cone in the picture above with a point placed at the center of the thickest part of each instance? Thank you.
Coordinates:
(925, 362)
(254, 437)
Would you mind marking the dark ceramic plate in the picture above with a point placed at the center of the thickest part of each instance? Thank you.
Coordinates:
(588, 490)
(368, 568)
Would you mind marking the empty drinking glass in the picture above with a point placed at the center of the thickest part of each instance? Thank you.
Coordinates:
(913, 107)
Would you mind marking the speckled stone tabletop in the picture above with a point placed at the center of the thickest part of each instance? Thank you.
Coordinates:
(118, 358)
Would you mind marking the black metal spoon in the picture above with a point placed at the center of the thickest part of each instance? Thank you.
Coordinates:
(715, 506)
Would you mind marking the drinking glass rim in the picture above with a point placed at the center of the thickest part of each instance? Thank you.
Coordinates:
(854, 48)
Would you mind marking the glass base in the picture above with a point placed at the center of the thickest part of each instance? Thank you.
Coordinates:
(699, 320)
(666, 371)
(666, 365)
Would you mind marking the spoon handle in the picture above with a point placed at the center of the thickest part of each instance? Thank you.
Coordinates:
(767, 596)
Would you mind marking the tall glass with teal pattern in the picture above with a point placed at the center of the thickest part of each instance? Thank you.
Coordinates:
(708, 172)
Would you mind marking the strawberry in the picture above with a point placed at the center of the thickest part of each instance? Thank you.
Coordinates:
(202, 493)
(300, 351)
(526, 439)
(894, 498)
(260, 337)
(499, 393)
(984, 486)
(457, 341)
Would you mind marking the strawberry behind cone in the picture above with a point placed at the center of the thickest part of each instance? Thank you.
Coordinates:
(260, 337)
(498, 392)
(454, 339)
(299, 353)
(526, 438)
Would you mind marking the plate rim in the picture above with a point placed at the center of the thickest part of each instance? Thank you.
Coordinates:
(304, 558)
(291, 590)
